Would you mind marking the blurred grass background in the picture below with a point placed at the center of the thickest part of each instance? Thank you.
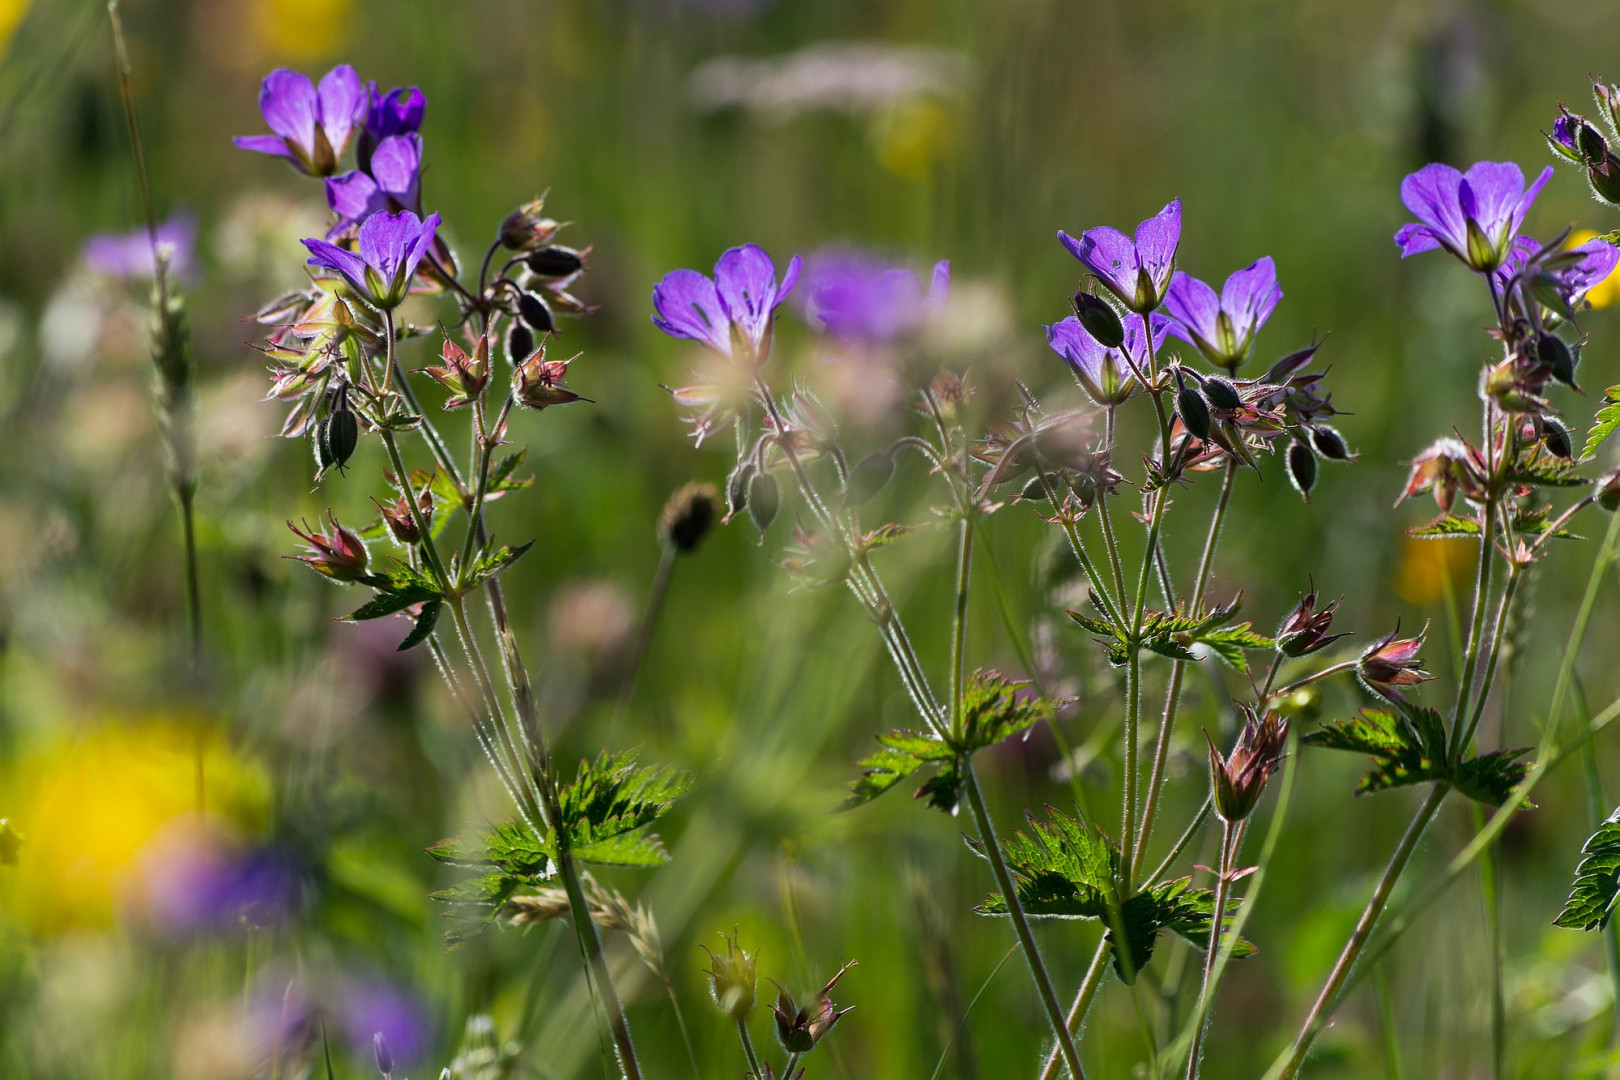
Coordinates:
(1284, 127)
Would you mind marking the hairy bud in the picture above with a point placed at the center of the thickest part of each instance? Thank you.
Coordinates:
(1192, 409)
(1238, 779)
(869, 476)
(688, 516)
(555, 262)
(764, 499)
(1302, 468)
(527, 228)
(1100, 320)
(732, 979)
(535, 312)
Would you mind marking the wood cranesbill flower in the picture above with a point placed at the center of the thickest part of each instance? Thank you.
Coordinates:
(862, 299)
(393, 182)
(1474, 215)
(130, 255)
(1135, 270)
(1558, 277)
(398, 112)
(391, 248)
(730, 313)
(1106, 375)
(1223, 327)
(312, 126)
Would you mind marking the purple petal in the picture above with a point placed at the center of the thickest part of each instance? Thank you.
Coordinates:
(1563, 133)
(745, 278)
(1109, 254)
(1528, 198)
(384, 240)
(1598, 263)
(343, 103)
(1489, 196)
(1079, 349)
(1431, 194)
(287, 100)
(688, 306)
(418, 247)
(1250, 295)
(1415, 239)
(940, 286)
(339, 260)
(1135, 344)
(354, 196)
(396, 165)
(1156, 240)
(399, 112)
(273, 145)
(1194, 307)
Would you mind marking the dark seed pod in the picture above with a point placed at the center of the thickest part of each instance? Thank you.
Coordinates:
(1329, 443)
(688, 517)
(867, 478)
(323, 452)
(1301, 468)
(519, 343)
(1194, 413)
(341, 433)
(764, 498)
(1034, 491)
(1221, 393)
(555, 262)
(535, 313)
(1289, 366)
(1555, 436)
(1553, 351)
(737, 488)
(1100, 320)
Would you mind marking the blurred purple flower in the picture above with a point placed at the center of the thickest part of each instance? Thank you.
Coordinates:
(1473, 215)
(398, 112)
(733, 311)
(129, 255)
(1565, 275)
(860, 298)
(1223, 327)
(312, 126)
(197, 880)
(369, 1007)
(391, 183)
(1105, 374)
(391, 248)
(1135, 270)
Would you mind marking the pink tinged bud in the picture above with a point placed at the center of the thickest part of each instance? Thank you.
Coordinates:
(1238, 779)
(339, 554)
(1392, 662)
(1447, 467)
(1305, 630)
(537, 383)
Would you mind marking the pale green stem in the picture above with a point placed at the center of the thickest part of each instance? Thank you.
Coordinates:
(1231, 839)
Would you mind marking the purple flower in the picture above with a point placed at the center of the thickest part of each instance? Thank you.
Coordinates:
(312, 127)
(129, 255)
(1223, 327)
(859, 298)
(391, 246)
(1561, 278)
(1106, 374)
(392, 183)
(1475, 216)
(398, 112)
(1137, 271)
(369, 1008)
(731, 314)
(196, 880)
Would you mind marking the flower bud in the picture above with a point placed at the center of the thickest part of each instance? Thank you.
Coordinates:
(869, 476)
(537, 383)
(764, 499)
(1329, 443)
(337, 435)
(535, 312)
(396, 514)
(1238, 779)
(732, 979)
(1192, 409)
(1221, 393)
(1302, 468)
(688, 517)
(798, 1030)
(1290, 365)
(1608, 491)
(339, 554)
(1555, 352)
(1390, 663)
(555, 262)
(1305, 630)
(385, 1059)
(1604, 178)
(1100, 320)
(527, 228)
(1555, 437)
(519, 343)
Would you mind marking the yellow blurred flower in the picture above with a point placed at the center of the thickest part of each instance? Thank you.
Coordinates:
(301, 29)
(1607, 291)
(1427, 564)
(913, 136)
(11, 14)
(87, 808)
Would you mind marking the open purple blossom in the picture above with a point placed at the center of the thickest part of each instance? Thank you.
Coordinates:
(1223, 327)
(730, 313)
(391, 247)
(1135, 270)
(311, 126)
(1474, 215)
(398, 112)
(370, 1007)
(391, 183)
(1106, 375)
(859, 298)
(130, 255)
(197, 880)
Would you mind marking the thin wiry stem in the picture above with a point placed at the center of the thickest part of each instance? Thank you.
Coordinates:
(1231, 839)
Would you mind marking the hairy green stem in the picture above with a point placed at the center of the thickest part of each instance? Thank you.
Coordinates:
(1231, 838)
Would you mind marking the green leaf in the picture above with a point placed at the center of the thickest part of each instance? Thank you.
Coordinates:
(1405, 750)
(1173, 906)
(1548, 471)
(1445, 527)
(903, 753)
(1230, 642)
(993, 709)
(611, 797)
(492, 562)
(1063, 869)
(1112, 638)
(500, 474)
(634, 849)
(425, 623)
(1604, 423)
(1491, 778)
(474, 904)
(1597, 880)
(893, 533)
(393, 601)
(881, 772)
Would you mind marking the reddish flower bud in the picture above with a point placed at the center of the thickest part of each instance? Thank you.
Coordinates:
(527, 228)
(537, 383)
(800, 1029)
(465, 376)
(1392, 662)
(1447, 467)
(1238, 779)
(1305, 630)
(339, 554)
